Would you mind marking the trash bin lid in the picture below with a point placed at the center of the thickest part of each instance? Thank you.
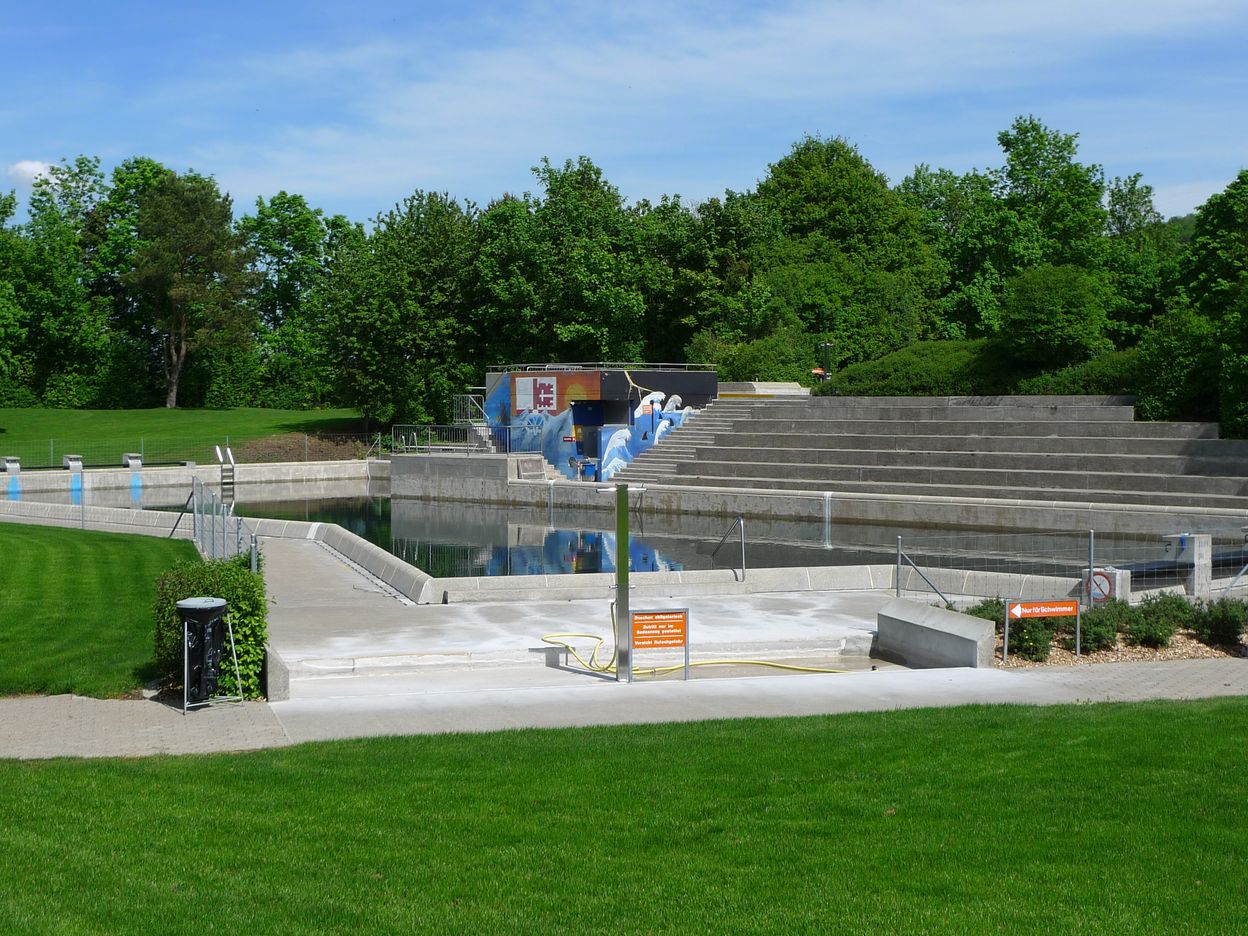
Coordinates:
(201, 604)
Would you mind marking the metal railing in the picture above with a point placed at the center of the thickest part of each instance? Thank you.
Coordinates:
(466, 440)
(738, 524)
(601, 365)
(36, 454)
(217, 532)
(468, 409)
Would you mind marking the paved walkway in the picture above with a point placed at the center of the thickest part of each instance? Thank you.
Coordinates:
(368, 665)
(486, 700)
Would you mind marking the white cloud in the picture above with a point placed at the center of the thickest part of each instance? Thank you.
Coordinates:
(25, 171)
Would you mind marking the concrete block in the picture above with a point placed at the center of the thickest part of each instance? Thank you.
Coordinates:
(924, 636)
(276, 676)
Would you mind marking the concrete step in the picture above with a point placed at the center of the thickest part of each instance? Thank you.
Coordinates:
(1037, 479)
(1194, 448)
(1062, 455)
(981, 491)
(808, 429)
(1060, 413)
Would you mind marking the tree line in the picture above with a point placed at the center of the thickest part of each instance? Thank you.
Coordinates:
(140, 288)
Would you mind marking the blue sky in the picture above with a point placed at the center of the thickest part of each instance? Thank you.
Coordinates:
(357, 105)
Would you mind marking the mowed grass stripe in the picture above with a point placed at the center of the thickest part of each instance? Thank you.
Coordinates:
(76, 608)
(102, 426)
(1083, 819)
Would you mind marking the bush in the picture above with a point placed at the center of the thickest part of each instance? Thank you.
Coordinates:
(1219, 623)
(1158, 618)
(925, 368)
(1115, 372)
(1055, 314)
(1099, 626)
(248, 610)
(1032, 638)
(990, 609)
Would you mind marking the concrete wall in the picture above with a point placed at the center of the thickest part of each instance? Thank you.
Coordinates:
(492, 479)
(920, 635)
(56, 481)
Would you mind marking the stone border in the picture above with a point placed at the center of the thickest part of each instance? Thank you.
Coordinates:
(923, 636)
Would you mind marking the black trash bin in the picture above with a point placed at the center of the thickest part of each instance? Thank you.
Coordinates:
(203, 621)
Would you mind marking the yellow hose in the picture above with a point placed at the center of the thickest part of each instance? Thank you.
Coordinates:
(594, 666)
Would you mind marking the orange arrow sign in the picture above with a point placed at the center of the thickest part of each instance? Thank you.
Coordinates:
(1055, 608)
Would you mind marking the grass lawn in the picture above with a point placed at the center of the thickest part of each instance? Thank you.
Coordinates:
(101, 436)
(76, 608)
(1074, 819)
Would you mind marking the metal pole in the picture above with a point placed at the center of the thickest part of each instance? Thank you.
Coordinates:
(899, 567)
(741, 521)
(1091, 562)
(1005, 638)
(623, 620)
(255, 554)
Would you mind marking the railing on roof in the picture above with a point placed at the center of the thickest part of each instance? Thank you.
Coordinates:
(600, 365)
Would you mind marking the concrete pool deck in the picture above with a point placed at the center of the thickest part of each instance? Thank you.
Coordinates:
(323, 609)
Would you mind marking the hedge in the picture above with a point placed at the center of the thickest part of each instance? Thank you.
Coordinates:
(248, 610)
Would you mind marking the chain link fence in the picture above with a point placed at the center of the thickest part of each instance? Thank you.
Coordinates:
(965, 567)
(165, 450)
(466, 440)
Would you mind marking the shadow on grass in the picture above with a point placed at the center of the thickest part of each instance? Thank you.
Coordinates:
(335, 425)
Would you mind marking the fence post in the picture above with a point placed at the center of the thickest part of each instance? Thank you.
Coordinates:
(899, 567)
(255, 554)
(1091, 564)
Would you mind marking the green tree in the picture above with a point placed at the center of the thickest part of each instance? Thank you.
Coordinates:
(289, 241)
(110, 241)
(1054, 316)
(592, 287)
(192, 271)
(1214, 278)
(1178, 366)
(397, 332)
(509, 284)
(68, 332)
(854, 263)
(1041, 207)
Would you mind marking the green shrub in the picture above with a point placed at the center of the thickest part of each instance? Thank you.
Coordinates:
(925, 368)
(248, 610)
(1032, 638)
(1099, 626)
(1158, 618)
(1114, 372)
(1219, 623)
(990, 609)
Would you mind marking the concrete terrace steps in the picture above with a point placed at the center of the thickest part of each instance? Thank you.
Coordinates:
(979, 492)
(1083, 449)
(1039, 444)
(1040, 476)
(1053, 457)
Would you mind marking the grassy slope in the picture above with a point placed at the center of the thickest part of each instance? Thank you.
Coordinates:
(94, 426)
(76, 608)
(1084, 819)
(40, 437)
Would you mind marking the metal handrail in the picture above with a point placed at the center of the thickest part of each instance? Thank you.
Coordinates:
(910, 562)
(739, 523)
(600, 365)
